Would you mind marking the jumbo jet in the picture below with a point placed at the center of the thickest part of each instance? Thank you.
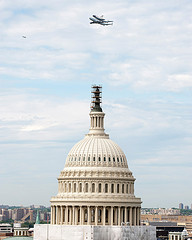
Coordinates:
(100, 20)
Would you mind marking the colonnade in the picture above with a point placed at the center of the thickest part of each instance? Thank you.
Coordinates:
(97, 122)
(21, 232)
(175, 236)
(95, 215)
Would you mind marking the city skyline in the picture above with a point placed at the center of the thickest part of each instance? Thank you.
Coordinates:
(143, 63)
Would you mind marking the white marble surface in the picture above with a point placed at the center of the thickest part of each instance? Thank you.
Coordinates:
(64, 232)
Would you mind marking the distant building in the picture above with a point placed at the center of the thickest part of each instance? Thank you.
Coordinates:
(180, 205)
(6, 228)
(5, 214)
(186, 207)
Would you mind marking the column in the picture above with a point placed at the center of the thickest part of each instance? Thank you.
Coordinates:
(111, 215)
(119, 216)
(66, 215)
(138, 216)
(73, 214)
(96, 216)
(61, 222)
(51, 214)
(81, 216)
(103, 216)
(135, 216)
(89, 215)
(115, 215)
(56, 210)
(126, 214)
(76, 215)
(130, 216)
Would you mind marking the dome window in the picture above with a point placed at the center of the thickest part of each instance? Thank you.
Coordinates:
(69, 187)
(127, 188)
(86, 187)
(75, 187)
(106, 188)
(112, 188)
(104, 159)
(113, 159)
(75, 159)
(109, 159)
(117, 159)
(93, 187)
(93, 159)
(80, 187)
(99, 187)
(122, 188)
(79, 159)
(88, 158)
(83, 158)
(117, 188)
(99, 159)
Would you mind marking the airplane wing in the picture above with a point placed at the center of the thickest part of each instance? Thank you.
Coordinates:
(99, 18)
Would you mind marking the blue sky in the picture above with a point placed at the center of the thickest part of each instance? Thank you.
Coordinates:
(143, 62)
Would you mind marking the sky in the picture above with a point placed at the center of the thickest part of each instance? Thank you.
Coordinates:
(144, 64)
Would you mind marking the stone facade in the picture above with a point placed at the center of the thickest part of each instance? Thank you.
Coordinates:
(62, 232)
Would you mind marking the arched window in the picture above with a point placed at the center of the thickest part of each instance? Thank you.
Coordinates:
(112, 188)
(117, 159)
(109, 159)
(106, 188)
(75, 187)
(80, 187)
(113, 159)
(117, 188)
(104, 159)
(69, 187)
(93, 159)
(99, 187)
(86, 187)
(88, 158)
(99, 159)
(93, 187)
(123, 188)
(127, 188)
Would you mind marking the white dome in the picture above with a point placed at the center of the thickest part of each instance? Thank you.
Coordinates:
(96, 186)
(96, 151)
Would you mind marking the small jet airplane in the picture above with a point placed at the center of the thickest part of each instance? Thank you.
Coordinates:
(24, 37)
(100, 20)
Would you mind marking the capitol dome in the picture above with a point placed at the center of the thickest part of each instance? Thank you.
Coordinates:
(96, 186)
(96, 151)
